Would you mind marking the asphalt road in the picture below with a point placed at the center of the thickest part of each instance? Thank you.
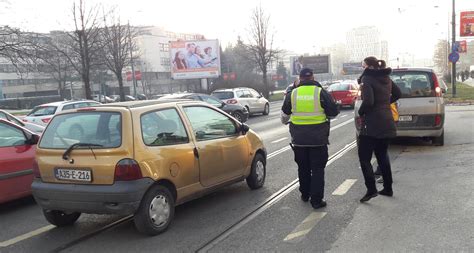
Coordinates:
(431, 210)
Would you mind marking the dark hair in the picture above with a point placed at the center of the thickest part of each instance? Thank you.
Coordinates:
(371, 61)
(207, 49)
(180, 64)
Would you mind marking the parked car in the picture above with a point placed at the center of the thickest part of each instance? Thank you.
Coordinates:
(103, 99)
(30, 126)
(42, 114)
(421, 107)
(141, 158)
(17, 154)
(238, 111)
(116, 98)
(344, 93)
(250, 98)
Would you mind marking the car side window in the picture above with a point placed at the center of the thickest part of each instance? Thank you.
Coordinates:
(240, 94)
(254, 93)
(210, 100)
(81, 105)
(11, 136)
(68, 107)
(162, 128)
(3, 116)
(209, 124)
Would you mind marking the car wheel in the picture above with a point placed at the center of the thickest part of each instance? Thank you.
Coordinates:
(438, 141)
(266, 111)
(239, 116)
(258, 172)
(156, 211)
(248, 109)
(60, 218)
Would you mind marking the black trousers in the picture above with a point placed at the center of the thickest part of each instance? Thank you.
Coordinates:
(311, 164)
(367, 146)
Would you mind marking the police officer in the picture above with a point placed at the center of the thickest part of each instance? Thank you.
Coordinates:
(308, 110)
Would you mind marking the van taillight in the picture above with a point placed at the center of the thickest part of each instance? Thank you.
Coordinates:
(437, 89)
(438, 120)
(127, 170)
(46, 120)
(36, 171)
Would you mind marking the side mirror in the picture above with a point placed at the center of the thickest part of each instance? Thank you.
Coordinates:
(443, 90)
(244, 128)
(32, 139)
(200, 135)
(222, 105)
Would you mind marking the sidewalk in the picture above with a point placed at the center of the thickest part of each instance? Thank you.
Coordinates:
(469, 82)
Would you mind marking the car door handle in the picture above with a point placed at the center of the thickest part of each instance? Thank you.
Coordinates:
(196, 153)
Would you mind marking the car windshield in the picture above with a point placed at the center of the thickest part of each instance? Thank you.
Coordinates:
(43, 111)
(98, 128)
(223, 94)
(339, 87)
(413, 83)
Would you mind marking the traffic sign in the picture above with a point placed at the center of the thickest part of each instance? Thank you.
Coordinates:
(453, 57)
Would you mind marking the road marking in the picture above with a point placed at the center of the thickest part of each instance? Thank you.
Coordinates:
(344, 187)
(345, 115)
(373, 161)
(306, 226)
(26, 236)
(280, 140)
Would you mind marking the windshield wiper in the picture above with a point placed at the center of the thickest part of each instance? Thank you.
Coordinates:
(79, 144)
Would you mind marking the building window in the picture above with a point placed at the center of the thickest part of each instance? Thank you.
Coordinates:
(164, 47)
(165, 61)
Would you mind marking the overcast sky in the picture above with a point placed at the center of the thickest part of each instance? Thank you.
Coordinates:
(301, 26)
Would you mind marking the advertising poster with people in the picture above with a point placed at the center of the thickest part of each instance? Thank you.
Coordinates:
(467, 23)
(319, 64)
(195, 59)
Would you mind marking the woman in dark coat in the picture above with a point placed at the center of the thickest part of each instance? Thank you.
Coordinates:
(378, 126)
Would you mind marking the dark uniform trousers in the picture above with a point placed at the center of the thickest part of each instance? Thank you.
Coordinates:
(311, 163)
(366, 147)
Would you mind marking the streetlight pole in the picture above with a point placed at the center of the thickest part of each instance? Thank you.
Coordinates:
(453, 71)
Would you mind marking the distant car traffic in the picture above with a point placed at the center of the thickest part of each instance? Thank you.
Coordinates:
(250, 98)
(344, 93)
(103, 99)
(35, 128)
(116, 98)
(421, 107)
(42, 114)
(17, 155)
(141, 159)
(238, 111)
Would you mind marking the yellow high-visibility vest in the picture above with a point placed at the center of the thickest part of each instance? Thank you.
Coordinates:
(306, 106)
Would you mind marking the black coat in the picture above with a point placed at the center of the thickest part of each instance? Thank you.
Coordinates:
(378, 92)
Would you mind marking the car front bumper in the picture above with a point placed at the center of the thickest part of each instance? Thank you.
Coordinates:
(122, 197)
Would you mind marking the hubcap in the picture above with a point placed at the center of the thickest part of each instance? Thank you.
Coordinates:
(260, 171)
(237, 116)
(159, 210)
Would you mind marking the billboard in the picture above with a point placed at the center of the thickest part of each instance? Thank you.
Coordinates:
(195, 59)
(460, 46)
(352, 68)
(467, 24)
(319, 64)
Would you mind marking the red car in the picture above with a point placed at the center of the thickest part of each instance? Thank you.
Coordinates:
(17, 155)
(344, 93)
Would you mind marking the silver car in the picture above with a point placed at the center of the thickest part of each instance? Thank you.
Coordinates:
(250, 98)
(421, 106)
(30, 126)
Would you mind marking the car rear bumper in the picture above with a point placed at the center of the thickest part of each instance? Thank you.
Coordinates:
(120, 198)
(420, 133)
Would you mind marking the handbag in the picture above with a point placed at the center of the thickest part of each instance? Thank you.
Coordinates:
(394, 109)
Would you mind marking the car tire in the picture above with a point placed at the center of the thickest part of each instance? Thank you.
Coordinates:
(60, 218)
(146, 218)
(266, 110)
(438, 141)
(258, 172)
(248, 110)
(239, 116)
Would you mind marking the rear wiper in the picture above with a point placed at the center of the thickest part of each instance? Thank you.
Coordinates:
(79, 144)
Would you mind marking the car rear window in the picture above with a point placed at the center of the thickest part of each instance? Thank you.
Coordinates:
(101, 128)
(223, 94)
(43, 111)
(413, 83)
(339, 87)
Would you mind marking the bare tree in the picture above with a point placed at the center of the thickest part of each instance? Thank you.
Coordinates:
(16, 46)
(440, 57)
(260, 47)
(119, 40)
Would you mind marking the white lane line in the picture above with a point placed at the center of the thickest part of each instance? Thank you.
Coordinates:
(280, 140)
(344, 187)
(343, 116)
(26, 236)
(306, 226)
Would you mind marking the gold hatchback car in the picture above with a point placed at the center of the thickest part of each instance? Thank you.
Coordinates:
(141, 158)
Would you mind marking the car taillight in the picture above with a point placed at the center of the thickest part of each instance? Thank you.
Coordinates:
(127, 170)
(46, 120)
(24, 120)
(437, 89)
(232, 101)
(36, 171)
(438, 120)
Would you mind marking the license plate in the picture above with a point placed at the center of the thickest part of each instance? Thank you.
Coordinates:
(405, 118)
(82, 175)
(338, 102)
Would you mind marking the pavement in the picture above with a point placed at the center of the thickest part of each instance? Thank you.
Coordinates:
(430, 211)
(469, 82)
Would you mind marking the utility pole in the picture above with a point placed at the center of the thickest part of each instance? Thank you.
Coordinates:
(131, 63)
(453, 42)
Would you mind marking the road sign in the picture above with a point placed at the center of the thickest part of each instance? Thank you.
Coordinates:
(453, 57)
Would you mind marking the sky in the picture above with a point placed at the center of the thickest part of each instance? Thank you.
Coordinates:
(301, 26)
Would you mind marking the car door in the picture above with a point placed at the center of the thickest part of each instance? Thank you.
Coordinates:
(16, 162)
(258, 100)
(222, 151)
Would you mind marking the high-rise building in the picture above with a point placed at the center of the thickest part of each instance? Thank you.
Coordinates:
(366, 41)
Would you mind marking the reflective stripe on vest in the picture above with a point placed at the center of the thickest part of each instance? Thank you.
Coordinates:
(306, 106)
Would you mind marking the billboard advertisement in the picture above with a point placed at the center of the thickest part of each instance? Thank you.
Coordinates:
(195, 59)
(352, 68)
(467, 24)
(460, 46)
(319, 64)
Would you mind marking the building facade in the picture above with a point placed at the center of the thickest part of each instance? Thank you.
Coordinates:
(365, 41)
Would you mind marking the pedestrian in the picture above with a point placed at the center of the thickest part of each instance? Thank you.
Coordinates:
(308, 109)
(378, 125)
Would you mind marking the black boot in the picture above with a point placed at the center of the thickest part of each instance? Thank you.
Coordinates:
(386, 192)
(368, 196)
